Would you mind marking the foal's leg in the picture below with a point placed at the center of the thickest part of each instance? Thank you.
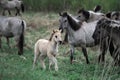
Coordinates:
(42, 57)
(36, 55)
(85, 54)
(52, 60)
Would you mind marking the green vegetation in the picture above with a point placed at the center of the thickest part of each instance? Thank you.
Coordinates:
(40, 25)
(72, 5)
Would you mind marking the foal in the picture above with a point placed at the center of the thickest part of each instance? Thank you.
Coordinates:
(48, 48)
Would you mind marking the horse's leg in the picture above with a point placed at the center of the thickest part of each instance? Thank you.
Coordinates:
(71, 52)
(0, 42)
(9, 12)
(103, 49)
(8, 42)
(85, 54)
(3, 13)
(66, 37)
(17, 11)
(111, 48)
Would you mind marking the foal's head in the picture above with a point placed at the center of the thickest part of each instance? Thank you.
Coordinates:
(56, 36)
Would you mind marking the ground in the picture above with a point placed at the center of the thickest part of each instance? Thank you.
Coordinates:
(40, 25)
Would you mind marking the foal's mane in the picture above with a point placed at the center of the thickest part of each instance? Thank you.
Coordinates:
(51, 36)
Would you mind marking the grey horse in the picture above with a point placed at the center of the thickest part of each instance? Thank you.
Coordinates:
(13, 27)
(10, 5)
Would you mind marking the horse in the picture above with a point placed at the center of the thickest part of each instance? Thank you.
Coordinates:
(79, 33)
(114, 15)
(13, 27)
(48, 48)
(10, 5)
(110, 29)
(88, 16)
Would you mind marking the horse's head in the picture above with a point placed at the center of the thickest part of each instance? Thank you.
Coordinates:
(3, 1)
(56, 36)
(63, 21)
(89, 16)
(113, 15)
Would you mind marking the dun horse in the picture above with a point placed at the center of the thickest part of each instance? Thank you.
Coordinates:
(48, 48)
(13, 27)
(10, 5)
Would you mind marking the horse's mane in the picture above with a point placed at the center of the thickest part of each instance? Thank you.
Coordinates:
(75, 25)
(105, 22)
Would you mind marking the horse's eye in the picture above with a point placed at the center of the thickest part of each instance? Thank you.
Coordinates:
(55, 36)
(65, 21)
(79, 16)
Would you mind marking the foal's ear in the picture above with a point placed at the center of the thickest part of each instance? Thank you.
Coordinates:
(60, 30)
(54, 31)
(108, 15)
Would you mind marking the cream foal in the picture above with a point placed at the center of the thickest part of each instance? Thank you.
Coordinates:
(48, 48)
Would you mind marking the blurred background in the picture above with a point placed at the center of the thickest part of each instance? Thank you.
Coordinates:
(72, 5)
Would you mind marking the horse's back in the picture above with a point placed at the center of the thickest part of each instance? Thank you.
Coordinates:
(42, 45)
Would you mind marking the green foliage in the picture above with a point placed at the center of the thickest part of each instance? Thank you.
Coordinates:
(73, 5)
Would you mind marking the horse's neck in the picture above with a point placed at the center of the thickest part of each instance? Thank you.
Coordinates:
(74, 23)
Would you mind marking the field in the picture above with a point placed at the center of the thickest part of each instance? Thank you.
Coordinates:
(40, 25)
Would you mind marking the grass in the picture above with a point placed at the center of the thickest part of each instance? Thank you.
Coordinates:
(40, 25)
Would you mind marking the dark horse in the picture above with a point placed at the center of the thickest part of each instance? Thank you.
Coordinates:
(110, 29)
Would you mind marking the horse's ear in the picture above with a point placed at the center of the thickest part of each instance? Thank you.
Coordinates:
(80, 10)
(60, 14)
(108, 15)
(54, 31)
(97, 8)
(87, 14)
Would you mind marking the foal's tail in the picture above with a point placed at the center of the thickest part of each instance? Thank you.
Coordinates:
(22, 7)
(21, 39)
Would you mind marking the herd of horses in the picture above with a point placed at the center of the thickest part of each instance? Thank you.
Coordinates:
(87, 29)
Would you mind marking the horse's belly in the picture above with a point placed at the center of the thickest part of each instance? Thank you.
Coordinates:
(7, 34)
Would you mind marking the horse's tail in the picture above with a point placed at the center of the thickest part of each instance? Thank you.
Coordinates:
(22, 7)
(21, 39)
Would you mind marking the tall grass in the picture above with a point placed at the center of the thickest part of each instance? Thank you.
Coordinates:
(73, 5)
